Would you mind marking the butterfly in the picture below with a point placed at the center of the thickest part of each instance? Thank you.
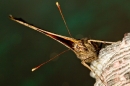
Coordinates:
(87, 50)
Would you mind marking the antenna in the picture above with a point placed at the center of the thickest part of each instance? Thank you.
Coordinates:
(49, 60)
(57, 4)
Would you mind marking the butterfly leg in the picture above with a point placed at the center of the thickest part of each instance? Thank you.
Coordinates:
(105, 42)
(86, 65)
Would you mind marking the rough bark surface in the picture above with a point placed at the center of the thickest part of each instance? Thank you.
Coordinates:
(113, 65)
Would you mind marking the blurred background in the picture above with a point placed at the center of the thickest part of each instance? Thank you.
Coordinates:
(21, 48)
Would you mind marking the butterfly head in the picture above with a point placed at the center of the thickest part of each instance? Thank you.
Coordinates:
(85, 50)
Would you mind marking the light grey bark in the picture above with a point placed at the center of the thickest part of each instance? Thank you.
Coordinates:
(113, 65)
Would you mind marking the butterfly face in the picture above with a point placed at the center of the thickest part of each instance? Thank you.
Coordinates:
(85, 50)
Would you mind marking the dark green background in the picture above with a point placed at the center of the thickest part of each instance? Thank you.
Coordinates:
(21, 48)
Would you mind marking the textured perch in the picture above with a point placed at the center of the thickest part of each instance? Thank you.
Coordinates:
(113, 65)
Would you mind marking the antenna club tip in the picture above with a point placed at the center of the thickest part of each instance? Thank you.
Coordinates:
(34, 69)
(57, 4)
